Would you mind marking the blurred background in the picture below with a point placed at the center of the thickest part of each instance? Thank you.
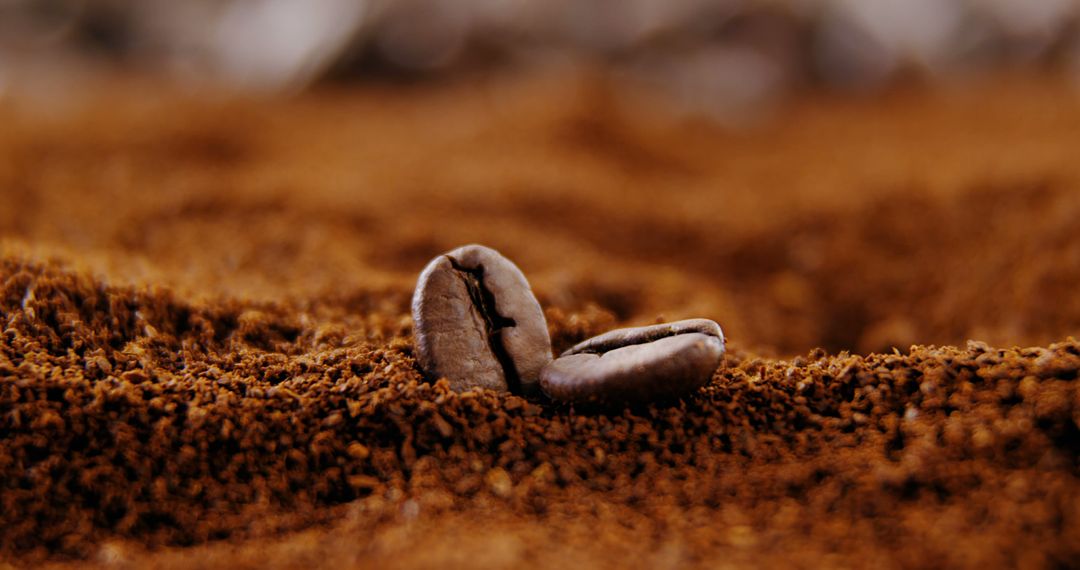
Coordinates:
(718, 57)
(847, 174)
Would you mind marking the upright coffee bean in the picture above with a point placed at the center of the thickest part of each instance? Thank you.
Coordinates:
(637, 364)
(478, 324)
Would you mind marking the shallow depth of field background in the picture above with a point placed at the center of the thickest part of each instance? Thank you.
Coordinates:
(851, 174)
(722, 58)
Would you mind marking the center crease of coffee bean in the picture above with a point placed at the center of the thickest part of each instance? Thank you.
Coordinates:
(604, 350)
(484, 301)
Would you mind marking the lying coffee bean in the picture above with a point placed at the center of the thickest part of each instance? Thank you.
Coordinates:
(637, 364)
(478, 324)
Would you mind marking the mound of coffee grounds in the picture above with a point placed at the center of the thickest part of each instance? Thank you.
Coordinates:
(134, 415)
(206, 355)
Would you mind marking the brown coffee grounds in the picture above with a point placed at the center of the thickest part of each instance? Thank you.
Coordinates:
(206, 354)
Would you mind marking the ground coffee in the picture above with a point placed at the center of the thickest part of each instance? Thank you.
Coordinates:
(207, 359)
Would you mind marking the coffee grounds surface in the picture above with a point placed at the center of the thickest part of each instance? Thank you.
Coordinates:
(206, 356)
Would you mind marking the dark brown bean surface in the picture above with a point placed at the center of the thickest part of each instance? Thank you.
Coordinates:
(478, 324)
(637, 364)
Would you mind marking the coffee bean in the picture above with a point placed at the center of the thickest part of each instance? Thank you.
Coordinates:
(478, 324)
(637, 364)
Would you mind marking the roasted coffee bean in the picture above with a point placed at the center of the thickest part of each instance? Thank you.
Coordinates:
(478, 324)
(637, 364)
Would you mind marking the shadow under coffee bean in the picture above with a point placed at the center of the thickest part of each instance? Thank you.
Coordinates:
(478, 324)
(637, 364)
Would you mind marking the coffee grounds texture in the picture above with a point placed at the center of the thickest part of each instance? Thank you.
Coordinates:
(206, 356)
